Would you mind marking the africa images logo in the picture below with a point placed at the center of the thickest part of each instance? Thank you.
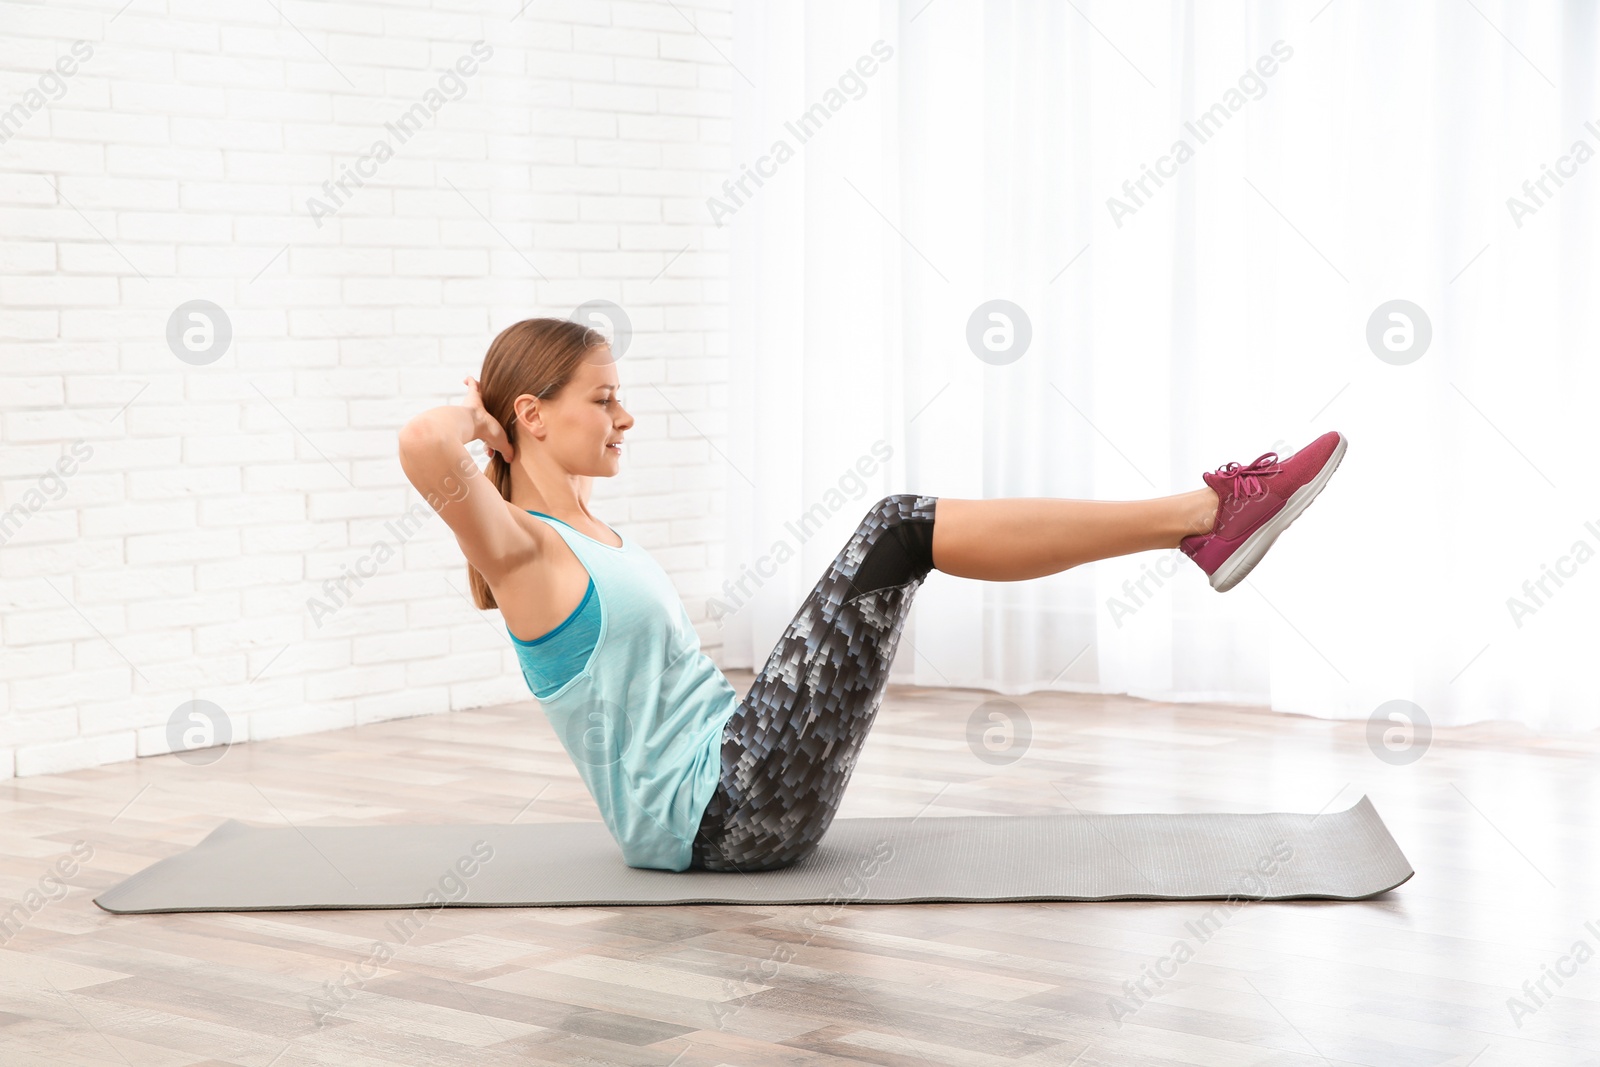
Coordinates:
(1204, 128)
(811, 121)
(451, 85)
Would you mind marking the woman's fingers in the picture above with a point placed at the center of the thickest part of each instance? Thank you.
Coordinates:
(490, 432)
(495, 436)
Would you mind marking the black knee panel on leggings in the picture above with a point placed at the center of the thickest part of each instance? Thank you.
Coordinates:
(903, 550)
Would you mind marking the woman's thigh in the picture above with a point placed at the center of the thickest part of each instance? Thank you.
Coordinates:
(790, 747)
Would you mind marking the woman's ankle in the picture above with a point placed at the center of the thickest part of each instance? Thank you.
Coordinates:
(1201, 513)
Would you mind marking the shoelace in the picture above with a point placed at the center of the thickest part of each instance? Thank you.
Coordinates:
(1248, 477)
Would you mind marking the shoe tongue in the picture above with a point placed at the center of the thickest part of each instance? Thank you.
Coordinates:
(1228, 490)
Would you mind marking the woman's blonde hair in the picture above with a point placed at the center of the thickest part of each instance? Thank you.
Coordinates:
(537, 356)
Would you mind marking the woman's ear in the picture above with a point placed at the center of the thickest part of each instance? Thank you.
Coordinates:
(526, 416)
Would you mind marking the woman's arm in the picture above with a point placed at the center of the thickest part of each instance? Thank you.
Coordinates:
(435, 459)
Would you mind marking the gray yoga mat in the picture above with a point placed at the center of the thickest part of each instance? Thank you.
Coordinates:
(1345, 855)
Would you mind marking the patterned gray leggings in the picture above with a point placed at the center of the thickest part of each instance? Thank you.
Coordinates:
(789, 749)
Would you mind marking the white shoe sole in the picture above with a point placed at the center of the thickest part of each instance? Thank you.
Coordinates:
(1244, 560)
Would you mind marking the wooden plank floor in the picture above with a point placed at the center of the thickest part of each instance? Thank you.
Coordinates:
(1498, 824)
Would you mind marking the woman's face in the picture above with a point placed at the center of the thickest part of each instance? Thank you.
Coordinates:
(585, 423)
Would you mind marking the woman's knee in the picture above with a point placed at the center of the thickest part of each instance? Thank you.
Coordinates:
(900, 507)
(899, 532)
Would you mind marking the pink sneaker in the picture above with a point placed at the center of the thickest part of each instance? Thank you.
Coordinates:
(1256, 504)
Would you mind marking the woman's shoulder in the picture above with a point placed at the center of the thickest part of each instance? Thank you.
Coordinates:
(546, 583)
(589, 525)
(543, 533)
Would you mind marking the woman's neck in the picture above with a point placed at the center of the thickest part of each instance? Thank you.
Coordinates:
(554, 493)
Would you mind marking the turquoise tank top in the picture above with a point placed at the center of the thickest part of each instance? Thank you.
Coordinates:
(642, 718)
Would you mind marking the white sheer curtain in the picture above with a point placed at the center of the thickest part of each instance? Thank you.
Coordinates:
(1225, 315)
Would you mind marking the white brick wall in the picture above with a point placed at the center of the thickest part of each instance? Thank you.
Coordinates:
(196, 509)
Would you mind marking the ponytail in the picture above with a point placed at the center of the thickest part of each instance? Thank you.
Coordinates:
(499, 472)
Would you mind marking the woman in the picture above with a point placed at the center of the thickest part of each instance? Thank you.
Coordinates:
(685, 773)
